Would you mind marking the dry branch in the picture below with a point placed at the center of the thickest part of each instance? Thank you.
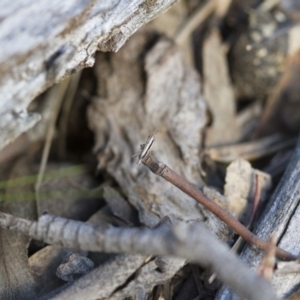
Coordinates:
(121, 276)
(164, 171)
(192, 242)
(43, 42)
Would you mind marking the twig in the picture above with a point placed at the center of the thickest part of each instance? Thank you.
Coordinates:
(189, 241)
(57, 93)
(250, 150)
(65, 111)
(216, 7)
(164, 171)
(256, 200)
(267, 264)
(196, 19)
(240, 241)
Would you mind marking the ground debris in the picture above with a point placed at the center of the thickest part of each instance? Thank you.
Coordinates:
(216, 85)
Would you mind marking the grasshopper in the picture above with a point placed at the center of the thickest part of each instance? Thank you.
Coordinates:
(145, 148)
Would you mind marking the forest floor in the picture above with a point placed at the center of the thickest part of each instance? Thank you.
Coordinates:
(207, 96)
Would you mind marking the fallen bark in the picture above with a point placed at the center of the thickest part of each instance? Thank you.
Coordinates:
(43, 42)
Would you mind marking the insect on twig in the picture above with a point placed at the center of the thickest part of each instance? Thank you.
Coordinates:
(145, 148)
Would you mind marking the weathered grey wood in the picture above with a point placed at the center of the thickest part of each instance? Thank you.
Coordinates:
(190, 241)
(43, 41)
(281, 218)
(130, 106)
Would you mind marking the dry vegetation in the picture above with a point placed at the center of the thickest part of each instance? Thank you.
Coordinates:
(214, 86)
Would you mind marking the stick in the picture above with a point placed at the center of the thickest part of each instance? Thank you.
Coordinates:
(189, 241)
(164, 171)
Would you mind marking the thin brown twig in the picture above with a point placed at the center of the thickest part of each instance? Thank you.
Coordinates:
(164, 171)
(256, 199)
(240, 241)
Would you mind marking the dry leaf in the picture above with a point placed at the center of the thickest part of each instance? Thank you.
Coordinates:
(240, 188)
(218, 93)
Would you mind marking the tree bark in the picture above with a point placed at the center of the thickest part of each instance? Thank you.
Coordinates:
(42, 42)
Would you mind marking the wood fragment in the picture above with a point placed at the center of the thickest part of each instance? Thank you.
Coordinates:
(168, 98)
(244, 188)
(103, 281)
(218, 93)
(119, 206)
(281, 218)
(250, 150)
(286, 267)
(41, 44)
(191, 242)
(149, 276)
(195, 20)
(267, 264)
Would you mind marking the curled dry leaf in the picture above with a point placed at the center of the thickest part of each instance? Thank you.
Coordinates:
(240, 188)
(281, 218)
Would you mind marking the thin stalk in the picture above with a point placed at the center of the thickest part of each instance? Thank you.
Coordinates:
(165, 172)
